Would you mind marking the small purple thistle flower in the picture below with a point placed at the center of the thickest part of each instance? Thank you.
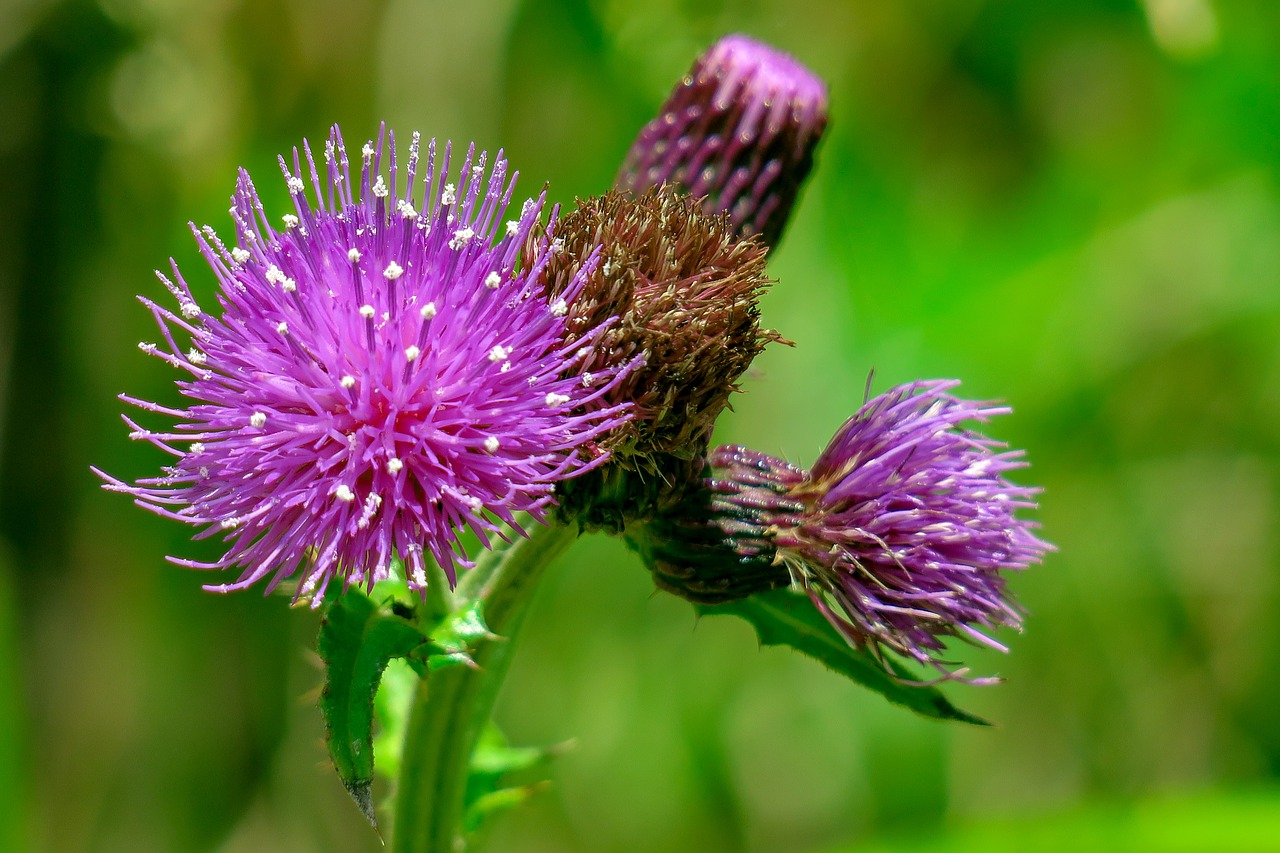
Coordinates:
(382, 371)
(899, 534)
(739, 130)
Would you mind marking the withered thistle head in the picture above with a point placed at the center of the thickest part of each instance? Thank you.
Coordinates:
(739, 131)
(684, 287)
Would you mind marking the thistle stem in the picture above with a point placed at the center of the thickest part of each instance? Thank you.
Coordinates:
(452, 706)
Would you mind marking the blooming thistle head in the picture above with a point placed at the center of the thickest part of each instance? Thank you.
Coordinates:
(899, 533)
(381, 371)
(739, 130)
(683, 287)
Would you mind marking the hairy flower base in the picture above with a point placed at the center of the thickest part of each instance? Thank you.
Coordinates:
(900, 533)
(383, 371)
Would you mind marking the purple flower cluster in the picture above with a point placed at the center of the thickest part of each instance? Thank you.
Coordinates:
(381, 372)
(901, 531)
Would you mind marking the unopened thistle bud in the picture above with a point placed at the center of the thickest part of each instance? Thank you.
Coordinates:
(739, 131)
(900, 533)
(684, 287)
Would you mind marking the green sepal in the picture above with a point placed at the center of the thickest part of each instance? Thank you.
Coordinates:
(782, 617)
(357, 639)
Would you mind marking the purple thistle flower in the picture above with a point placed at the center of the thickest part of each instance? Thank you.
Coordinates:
(382, 372)
(739, 130)
(899, 533)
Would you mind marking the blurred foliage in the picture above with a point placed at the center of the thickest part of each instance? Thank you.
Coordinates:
(1072, 206)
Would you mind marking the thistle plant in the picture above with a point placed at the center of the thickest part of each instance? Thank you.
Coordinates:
(403, 388)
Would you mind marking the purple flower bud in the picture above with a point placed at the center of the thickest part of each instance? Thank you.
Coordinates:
(900, 533)
(379, 372)
(739, 130)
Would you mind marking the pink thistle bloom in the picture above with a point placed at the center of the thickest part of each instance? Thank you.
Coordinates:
(901, 533)
(381, 372)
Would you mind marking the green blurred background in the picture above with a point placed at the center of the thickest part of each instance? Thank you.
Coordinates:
(1073, 206)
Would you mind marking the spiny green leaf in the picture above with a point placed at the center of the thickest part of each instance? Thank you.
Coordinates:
(782, 617)
(495, 802)
(492, 760)
(357, 639)
(456, 637)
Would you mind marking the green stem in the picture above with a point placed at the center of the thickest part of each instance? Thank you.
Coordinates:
(449, 713)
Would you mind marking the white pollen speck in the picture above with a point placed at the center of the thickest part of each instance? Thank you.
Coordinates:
(347, 381)
(979, 468)
(587, 379)
(412, 353)
(506, 365)
(367, 312)
(196, 448)
(559, 308)
(274, 275)
(146, 347)
(229, 523)
(197, 357)
(282, 327)
(239, 255)
(353, 255)
(344, 493)
(258, 420)
(393, 271)
(296, 185)
(367, 152)
(428, 311)
(290, 220)
(557, 246)
(491, 444)
(583, 352)
(449, 196)
(461, 237)
(406, 209)
(513, 227)
(499, 353)
(190, 310)
(394, 465)
(554, 399)
(492, 280)
(608, 268)
(380, 188)
(288, 285)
